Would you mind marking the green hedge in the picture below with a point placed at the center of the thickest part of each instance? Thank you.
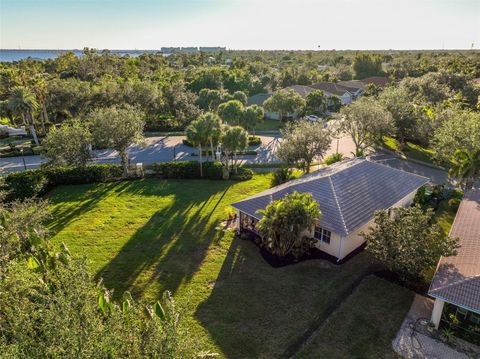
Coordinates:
(254, 141)
(26, 184)
(31, 183)
(81, 175)
(188, 169)
(242, 174)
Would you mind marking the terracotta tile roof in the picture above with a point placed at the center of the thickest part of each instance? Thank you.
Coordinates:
(348, 192)
(457, 279)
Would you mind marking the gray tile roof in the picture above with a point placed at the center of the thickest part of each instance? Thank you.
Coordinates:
(258, 99)
(457, 279)
(301, 89)
(332, 87)
(348, 192)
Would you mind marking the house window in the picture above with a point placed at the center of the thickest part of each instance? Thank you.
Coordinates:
(475, 318)
(322, 234)
(461, 313)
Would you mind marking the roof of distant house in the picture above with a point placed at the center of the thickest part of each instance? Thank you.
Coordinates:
(379, 81)
(355, 85)
(457, 279)
(332, 87)
(301, 89)
(258, 99)
(348, 192)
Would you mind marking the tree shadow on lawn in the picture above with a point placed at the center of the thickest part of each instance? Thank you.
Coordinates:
(256, 310)
(171, 246)
(63, 213)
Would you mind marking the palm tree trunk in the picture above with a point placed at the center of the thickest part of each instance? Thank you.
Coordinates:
(32, 129)
(201, 165)
(44, 118)
(124, 159)
(211, 147)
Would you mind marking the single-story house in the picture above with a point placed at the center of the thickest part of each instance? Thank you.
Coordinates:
(357, 87)
(457, 278)
(331, 88)
(259, 99)
(348, 194)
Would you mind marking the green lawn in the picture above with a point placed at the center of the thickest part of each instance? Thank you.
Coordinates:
(364, 325)
(411, 150)
(150, 235)
(269, 125)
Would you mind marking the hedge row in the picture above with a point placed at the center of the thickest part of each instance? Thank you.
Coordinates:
(31, 183)
(191, 169)
(188, 169)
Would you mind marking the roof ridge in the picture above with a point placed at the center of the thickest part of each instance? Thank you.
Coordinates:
(338, 205)
(327, 171)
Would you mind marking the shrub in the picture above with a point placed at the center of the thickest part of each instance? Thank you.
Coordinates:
(254, 141)
(31, 183)
(81, 175)
(187, 143)
(26, 184)
(280, 176)
(454, 203)
(242, 174)
(335, 157)
(188, 169)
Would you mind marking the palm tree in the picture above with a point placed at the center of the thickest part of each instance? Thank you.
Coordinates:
(213, 128)
(22, 102)
(40, 90)
(234, 140)
(466, 166)
(197, 135)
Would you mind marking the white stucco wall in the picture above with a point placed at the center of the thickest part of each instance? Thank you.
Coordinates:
(333, 248)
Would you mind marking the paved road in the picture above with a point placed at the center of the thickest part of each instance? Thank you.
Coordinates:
(162, 149)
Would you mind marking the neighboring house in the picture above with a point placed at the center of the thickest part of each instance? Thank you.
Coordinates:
(357, 87)
(259, 99)
(457, 278)
(348, 194)
(331, 88)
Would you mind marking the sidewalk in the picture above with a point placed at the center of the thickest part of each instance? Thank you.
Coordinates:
(411, 343)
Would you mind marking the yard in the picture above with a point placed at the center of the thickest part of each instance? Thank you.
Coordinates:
(410, 150)
(151, 235)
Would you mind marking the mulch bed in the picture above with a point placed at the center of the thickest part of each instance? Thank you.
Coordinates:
(277, 261)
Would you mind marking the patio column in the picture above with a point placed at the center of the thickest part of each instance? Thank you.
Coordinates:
(437, 312)
(238, 219)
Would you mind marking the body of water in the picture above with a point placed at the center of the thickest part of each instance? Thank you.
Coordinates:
(17, 55)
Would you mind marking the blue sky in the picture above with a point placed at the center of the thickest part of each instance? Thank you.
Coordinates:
(240, 24)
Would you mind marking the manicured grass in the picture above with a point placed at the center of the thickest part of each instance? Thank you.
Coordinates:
(269, 125)
(411, 150)
(364, 325)
(150, 235)
(445, 216)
